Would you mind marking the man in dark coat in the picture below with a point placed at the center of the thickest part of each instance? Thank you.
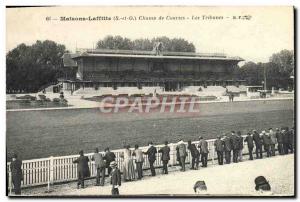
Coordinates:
(241, 146)
(195, 155)
(182, 154)
(109, 157)
(151, 152)
(178, 156)
(258, 144)
(291, 140)
(203, 145)
(285, 134)
(235, 146)
(273, 141)
(115, 179)
(279, 137)
(227, 148)
(165, 157)
(83, 170)
(219, 146)
(267, 142)
(100, 167)
(16, 172)
(249, 140)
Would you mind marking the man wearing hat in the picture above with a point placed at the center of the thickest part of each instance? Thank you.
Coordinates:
(203, 145)
(219, 146)
(249, 140)
(109, 157)
(200, 187)
(182, 154)
(261, 184)
(279, 137)
(227, 148)
(83, 170)
(267, 142)
(195, 155)
(285, 133)
(165, 157)
(241, 146)
(258, 144)
(151, 152)
(115, 179)
(273, 141)
(100, 167)
(235, 146)
(291, 140)
(16, 172)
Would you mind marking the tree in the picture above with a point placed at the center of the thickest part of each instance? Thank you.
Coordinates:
(114, 43)
(143, 44)
(285, 60)
(278, 71)
(181, 45)
(30, 67)
(172, 45)
(252, 73)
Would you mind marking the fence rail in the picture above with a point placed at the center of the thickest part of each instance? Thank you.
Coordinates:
(46, 171)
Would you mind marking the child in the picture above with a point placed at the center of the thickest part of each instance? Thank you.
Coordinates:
(115, 178)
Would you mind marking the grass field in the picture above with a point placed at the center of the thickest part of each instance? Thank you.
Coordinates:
(36, 134)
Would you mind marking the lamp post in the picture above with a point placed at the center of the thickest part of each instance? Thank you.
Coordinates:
(265, 79)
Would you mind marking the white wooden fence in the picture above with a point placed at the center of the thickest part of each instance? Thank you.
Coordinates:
(46, 171)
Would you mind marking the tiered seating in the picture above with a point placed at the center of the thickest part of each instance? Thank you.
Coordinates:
(192, 89)
(105, 90)
(146, 90)
(214, 90)
(243, 88)
(151, 89)
(233, 89)
(127, 90)
(86, 91)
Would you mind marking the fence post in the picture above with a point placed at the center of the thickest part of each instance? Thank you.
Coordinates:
(173, 154)
(51, 171)
(9, 180)
(212, 154)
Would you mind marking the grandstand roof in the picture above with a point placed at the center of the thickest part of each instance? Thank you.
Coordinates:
(152, 55)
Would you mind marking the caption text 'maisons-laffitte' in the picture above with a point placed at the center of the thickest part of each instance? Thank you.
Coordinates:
(149, 18)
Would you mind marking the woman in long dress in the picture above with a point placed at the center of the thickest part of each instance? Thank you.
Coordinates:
(128, 166)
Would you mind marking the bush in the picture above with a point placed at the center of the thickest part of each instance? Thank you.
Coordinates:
(64, 101)
(26, 97)
(138, 95)
(56, 100)
(42, 97)
(24, 101)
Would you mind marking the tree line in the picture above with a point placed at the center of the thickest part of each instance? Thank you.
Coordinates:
(31, 67)
(123, 43)
(278, 71)
(28, 68)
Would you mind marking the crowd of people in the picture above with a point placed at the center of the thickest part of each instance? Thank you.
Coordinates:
(265, 141)
(228, 146)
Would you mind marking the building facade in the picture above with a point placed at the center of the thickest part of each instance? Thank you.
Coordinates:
(171, 70)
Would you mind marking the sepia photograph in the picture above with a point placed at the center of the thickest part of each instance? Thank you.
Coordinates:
(150, 101)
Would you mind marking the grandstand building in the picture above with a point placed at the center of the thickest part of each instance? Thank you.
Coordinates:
(172, 71)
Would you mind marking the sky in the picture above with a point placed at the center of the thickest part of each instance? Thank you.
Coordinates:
(269, 29)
